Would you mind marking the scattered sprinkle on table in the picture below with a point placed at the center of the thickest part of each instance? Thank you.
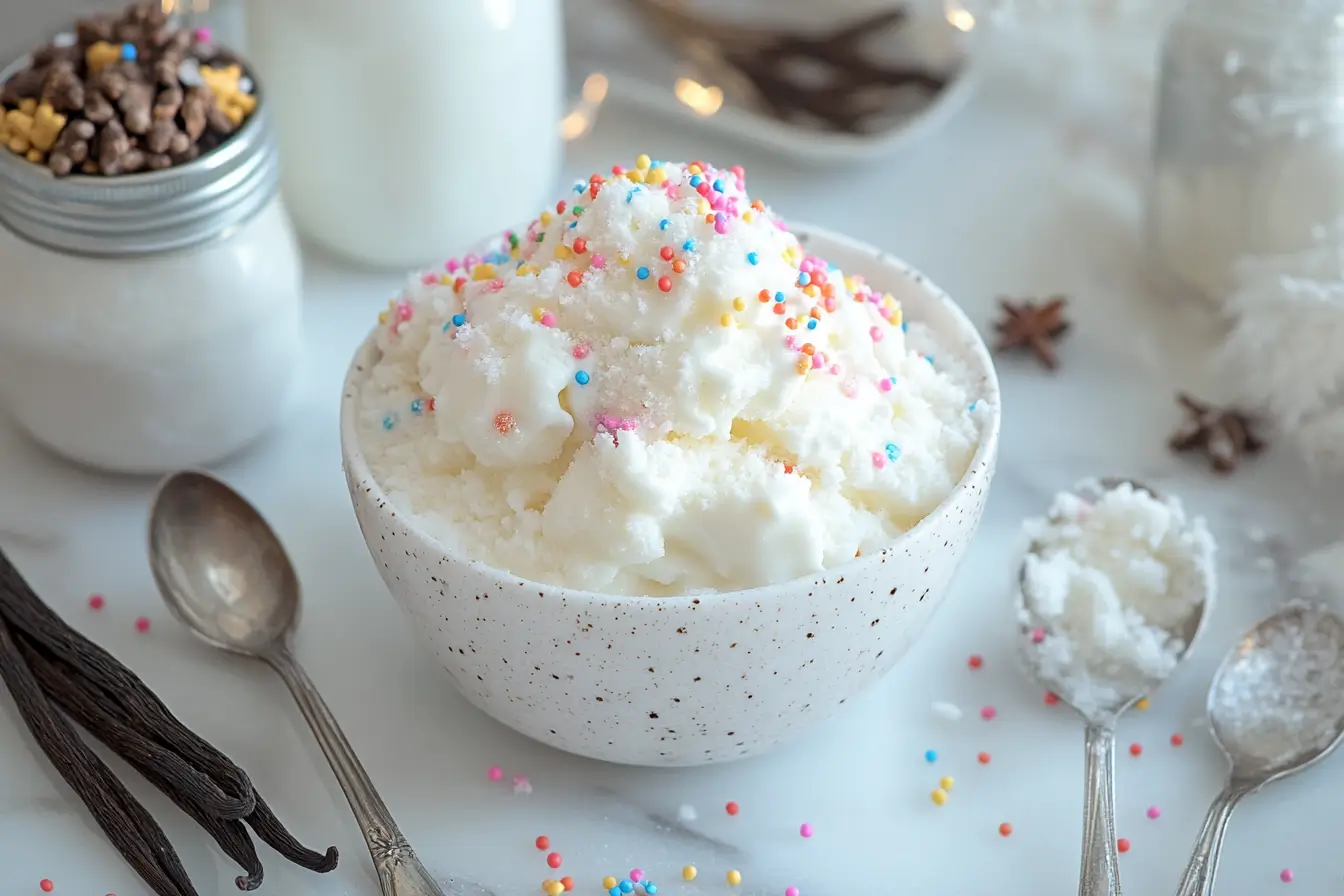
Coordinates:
(608, 882)
(976, 661)
(1136, 749)
(946, 783)
(46, 885)
(1177, 740)
(142, 625)
(1122, 845)
(552, 887)
(983, 758)
(1051, 698)
(1154, 812)
(930, 756)
(495, 773)
(1286, 875)
(567, 883)
(543, 842)
(939, 797)
(734, 878)
(805, 830)
(988, 713)
(636, 875)
(732, 808)
(96, 601)
(1143, 704)
(688, 873)
(790, 891)
(554, 860)
(1005, 830)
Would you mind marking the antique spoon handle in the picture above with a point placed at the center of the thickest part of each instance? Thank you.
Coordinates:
(399, 871)
(1100, 869)
(1199, 874)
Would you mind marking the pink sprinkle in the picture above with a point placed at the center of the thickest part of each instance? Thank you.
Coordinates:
(717, 202)
(470, 261)
(1037, 635)
(599, 261)
(495, 285)
(1286, 875)
(720, 226)
(816, 361)
(636, 875)
(96, 601)
(1154, 812)
(884, 384)
(548, 319)
(428, 278)
(451, 265)
(830, 304)
(495, 773)
(704, 188)
(878, 460)
(875, 333)
(988, 713)
(805, 266)
(404, 311)
(791, 342)
(142, 624)
(805, 830)
(835, 369)
(790, 891)
(202, 35)
(581, 350)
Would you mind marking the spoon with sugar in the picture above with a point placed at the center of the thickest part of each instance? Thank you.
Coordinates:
(1276, 707)
(1113, 590)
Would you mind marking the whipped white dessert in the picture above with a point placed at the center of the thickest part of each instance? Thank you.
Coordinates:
(655, 390)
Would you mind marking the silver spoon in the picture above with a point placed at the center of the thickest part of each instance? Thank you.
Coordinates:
(1100, 871)
(225, 575)
(1276, 707)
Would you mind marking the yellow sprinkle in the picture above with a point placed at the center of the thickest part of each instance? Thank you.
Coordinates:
(563, 253)
(623, 258)
(483, 272)
(851, 284)
(738, 304)
(538, 313)
(382, 317)
(636, 177)
(552, 887)
(734, 878)
(642, 162)
(811, 290)
(939, 796)
(545, 218)
(445, 280)
(946, 783)
(804, 365)
(688, 873)
(1142, 704)
(896, 316)
(655, 176)
(702, 207)
(608, 882)
(694, 169)
(726, 320)
(748, 216)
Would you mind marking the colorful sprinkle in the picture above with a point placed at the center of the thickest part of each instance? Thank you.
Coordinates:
(554, 860)
(580, 245)
(1037, 635)
(875, 333)
(805, 830)
(96, 601)
(642, 273)
(552, 887)
(988, 713)
(495, 773)
(599, 262)
(662, 225)
(636, 875)
(581, 351)
(567, 883)
(1122, 845)
(389, 421)
(983, 758)
(504, 424)
(1051, 698)
(732, 808)
(939, 796)
(790, 891)
(976, 661)
(688, 246)
(1286, 875)
(679, 266)
(581, 377)
(459, 319)
(1005, 830)
(779, 297)
(666, 253)
(930, 756)
(608, 882)
(753, 258)
(1154, 812)
(665, 284)
(46, 885)
(689, 872)
(128, 52)
(734, 878)
(1143, 704)
(547, 319)
(142, 625)
(947, 782)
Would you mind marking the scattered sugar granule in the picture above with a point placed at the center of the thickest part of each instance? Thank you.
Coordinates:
(1285, 693)
(1111, 580)
(521, 785)
(686, 814)
(948, 711)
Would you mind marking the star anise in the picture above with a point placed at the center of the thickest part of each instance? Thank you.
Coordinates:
(1223, 434)
(1034, 326)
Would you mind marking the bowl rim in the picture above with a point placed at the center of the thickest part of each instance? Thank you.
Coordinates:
(971, 346)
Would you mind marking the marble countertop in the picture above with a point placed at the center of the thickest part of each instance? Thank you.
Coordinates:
(995, 203)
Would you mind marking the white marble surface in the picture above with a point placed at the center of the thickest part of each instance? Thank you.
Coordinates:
(995, 203)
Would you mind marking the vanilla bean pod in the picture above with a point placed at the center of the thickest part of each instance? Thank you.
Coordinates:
(27, 613)
(132, 831)
(190, 791)
(277, 837)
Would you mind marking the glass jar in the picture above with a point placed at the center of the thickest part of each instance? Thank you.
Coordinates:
(1248, 156)
(410, 129)
(149, 321)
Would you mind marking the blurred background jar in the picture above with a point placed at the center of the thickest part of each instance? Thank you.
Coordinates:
(1248, 156)
(410, 129)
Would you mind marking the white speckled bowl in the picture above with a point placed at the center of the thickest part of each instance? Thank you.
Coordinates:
(683, 681)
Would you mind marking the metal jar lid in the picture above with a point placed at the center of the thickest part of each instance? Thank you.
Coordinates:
(146, 213)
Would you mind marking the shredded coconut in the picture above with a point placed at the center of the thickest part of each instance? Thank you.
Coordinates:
(1112, 581)
(1284, 695)
(656, 390)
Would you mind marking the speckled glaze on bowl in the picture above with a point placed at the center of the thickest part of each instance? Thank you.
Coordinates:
(679, 681)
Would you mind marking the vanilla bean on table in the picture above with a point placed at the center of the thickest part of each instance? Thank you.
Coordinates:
(51, 669)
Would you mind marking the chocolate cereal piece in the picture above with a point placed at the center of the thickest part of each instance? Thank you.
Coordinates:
(62, 89)
(72, 147)
(136, 105)
(168, 104)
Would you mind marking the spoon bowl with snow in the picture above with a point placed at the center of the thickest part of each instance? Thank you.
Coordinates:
(1113, 590)
(1276, 707)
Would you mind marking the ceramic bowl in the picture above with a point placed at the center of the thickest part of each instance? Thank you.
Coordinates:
(679, 681)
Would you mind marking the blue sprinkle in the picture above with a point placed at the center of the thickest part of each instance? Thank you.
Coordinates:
(753, 258)
(689, 245)
(662, 225)
(581, 377)
(626, 886)
(614, 891)
(655, 164)
(718, 185)
(128, 52)
(929, 755)
(417, 406)
(389, 421)
(573, 224)
(779, 297)
(630, 197)
(649, 888)
(893, 455)
(812, 324)
(695, 180)
(972, 407)
(642, 273)
(804, 279)
(578, 188)
(459, 319)
(905, 327)
(929, 358)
